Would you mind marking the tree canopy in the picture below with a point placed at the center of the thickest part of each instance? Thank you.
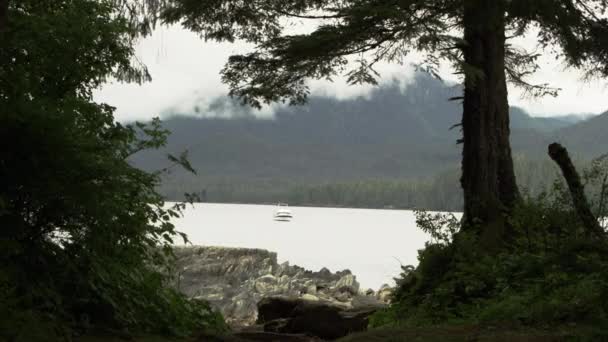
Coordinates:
(84, 236)
(375, 31)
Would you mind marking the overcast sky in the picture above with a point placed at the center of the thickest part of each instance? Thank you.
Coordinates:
(185, 71)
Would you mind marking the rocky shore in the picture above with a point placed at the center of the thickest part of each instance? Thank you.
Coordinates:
(235, 280)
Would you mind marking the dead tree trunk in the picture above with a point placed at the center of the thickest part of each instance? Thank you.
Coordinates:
(488, 177)
(559, 154)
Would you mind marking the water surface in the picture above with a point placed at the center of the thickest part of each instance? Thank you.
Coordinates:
(371, 243)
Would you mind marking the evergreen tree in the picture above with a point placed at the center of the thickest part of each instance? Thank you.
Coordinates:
(84, 236)
(469, 34)
(3, 14)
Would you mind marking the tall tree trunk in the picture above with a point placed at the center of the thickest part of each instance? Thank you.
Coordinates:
(488, 178)
(3, 15)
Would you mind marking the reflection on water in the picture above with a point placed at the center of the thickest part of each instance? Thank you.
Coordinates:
(371, 243)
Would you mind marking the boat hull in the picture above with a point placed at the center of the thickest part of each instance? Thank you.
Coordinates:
(283, 217)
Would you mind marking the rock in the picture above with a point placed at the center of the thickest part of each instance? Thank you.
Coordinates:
(384, 294)
(271, 308)
(310, 297)
(348, 283)
(233, 280)
(343, 297)
(268, 278)
(322, 286)
(274, 337)
(318, 320)
(265, 284)
(277, 325)
(313, 318)
(257, 336)
(212, 338)
(311, 289)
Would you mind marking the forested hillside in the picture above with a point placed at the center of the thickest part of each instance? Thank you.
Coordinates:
(589, 137)
(397, 147)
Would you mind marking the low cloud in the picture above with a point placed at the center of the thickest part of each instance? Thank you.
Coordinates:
(185, 71)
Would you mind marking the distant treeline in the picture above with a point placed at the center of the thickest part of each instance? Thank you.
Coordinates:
(441, 192)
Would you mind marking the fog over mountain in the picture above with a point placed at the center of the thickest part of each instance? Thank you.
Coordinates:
(390, 135)
(184, 68)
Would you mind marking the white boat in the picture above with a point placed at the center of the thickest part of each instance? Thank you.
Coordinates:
(282, 213)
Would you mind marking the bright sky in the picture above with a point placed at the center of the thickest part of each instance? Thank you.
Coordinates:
(185, 71)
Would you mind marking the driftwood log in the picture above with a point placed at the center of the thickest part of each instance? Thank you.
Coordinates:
(559, 154)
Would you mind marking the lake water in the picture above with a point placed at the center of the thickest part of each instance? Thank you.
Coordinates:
(371, 243)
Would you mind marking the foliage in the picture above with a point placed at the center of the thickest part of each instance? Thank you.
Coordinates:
(440, 227)
(85, 237)
(350, 37)
(596, 177)
(550, 274)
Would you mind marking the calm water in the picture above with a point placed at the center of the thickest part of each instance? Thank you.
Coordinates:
(371, 243)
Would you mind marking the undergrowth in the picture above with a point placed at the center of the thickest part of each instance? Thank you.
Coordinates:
(551, 272)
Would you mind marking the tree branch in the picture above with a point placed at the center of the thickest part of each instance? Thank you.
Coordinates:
(302, 16)
(588, 10)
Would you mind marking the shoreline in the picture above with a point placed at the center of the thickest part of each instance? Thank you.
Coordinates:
(235, 280)
(388, 208)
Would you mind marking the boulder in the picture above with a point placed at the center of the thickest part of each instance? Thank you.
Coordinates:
(276, 325)
(274, 337)
(272, 308)
(347, 283)
(314, 318)
(257, 336)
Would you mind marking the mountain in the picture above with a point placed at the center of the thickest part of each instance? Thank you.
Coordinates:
(589, 137)
(393, 134)
(520, 120)
(389, 134)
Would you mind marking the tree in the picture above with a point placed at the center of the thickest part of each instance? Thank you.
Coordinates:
(3, 14)
(84, 236)
(351, 36)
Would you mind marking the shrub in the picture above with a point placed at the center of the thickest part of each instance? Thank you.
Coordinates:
(549, 274)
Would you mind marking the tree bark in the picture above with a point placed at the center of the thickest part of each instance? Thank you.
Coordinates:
(488, 178)
(3, 15)
(577, 191)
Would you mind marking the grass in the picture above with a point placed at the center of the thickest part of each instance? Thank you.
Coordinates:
(455, 333)
(471, 333)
